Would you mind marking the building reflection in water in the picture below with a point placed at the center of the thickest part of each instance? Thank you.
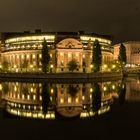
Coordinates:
(51, 100)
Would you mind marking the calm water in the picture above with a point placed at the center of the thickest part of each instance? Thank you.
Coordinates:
(66, 110)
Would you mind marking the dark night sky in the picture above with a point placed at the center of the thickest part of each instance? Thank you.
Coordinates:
(120, 18)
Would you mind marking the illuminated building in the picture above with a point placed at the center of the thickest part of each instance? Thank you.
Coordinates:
(18, 48)
(132, 52)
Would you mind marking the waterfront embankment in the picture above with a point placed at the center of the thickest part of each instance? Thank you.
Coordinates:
(61, 76)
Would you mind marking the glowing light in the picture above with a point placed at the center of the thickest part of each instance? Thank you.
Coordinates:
(83, 97)
(40, 98)
(15, 88)
(91, 89)
(113, 86)
(28, 97)
(31, 89)
(83, 56)
(113, 66)
(77, 100)
(28, 56)
(91, 66)
(69, 100)
(105, 88)
(61, 54)
(15, 66)
(69, 54)
(0, 87)
(105, 66)
(52, 90)
(31, 66)
(51, 66)
(34, 97)
(33, 56)
(61, 101)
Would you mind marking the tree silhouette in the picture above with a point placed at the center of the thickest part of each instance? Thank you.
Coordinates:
(45, 57)
(5, 65)
(72, 90)
(96, 97)
(96, 56)
(45, 97)
(73, 65)
(25, 64)
(122, 54)
(122, 92)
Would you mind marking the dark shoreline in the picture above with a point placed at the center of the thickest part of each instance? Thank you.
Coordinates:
(60, 77)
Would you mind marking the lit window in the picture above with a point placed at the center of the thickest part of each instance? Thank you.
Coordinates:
(52, 90)
(83, 97)
(0, 87)
(40, 98)
(91, 89)
(61, 54)
(61, 101)
(69, 99)
(40, 55)
(27, 56)
(69, 54)
(33, 56)
(34, 97)
(31, 89)
(77, 54)
(28, 97)
(77, 100)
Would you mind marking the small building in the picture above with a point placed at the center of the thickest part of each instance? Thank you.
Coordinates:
(132, 52)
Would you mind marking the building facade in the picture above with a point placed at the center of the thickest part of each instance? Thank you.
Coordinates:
(132, 52)
(22, 51)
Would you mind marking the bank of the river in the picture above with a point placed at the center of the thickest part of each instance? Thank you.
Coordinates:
(61, 76)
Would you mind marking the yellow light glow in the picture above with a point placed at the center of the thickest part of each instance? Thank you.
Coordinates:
(83, 97)
(105, 66)
(33, 56)
(31, 89)
(105, 88)
(69, 100)
(51, 66)
(113, 86)
(113, 66)
(22, 56)
(61, 54)
(91, 89)
(15, 66)
(0, 87)
(91, 66)
(61, 101)
(40, 98)
(31, 66)
(77, 100)
(23, 97)
(15, 88)
(28, 97)
(77, 54)
(83, 56)
(34, 97)
(69, 54)
(27, 56)
(52, 90)
(31, 38)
